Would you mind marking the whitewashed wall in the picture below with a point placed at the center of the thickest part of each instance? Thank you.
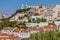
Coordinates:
(42, 24)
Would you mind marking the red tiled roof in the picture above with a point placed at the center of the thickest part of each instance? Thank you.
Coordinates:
(4, 34)
(7, 28)
(25, 31)
(17, 29)
(35, 10)
(40, 28)
(34, 28)
(50, 27)
(7, 36)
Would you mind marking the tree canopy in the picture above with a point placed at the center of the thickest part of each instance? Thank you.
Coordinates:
(47, 35)
(22, 10)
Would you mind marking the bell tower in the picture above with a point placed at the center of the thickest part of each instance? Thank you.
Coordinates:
(22, 6)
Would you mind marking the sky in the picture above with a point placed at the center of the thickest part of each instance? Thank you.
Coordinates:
(10, 6)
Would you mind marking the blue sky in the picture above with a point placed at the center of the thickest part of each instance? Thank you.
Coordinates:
(10, 6)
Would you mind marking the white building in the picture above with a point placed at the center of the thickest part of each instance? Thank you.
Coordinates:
(7, 30)
(36, 29)
(16, 16)
(57, 23)
(33, 6)
(23, 33)
(56, 10)
(34, 17)
(41, 24)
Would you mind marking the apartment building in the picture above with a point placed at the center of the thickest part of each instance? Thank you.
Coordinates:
(5, 36)
(41, 24)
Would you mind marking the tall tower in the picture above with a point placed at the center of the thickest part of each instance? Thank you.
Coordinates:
(22, 6)
(26, 5)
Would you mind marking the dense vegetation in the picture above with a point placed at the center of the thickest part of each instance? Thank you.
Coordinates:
(47, 35)
(7, 23)
(22, 10)
(38, 20)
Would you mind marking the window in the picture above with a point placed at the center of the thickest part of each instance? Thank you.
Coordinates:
(10, 31)
(37, 25)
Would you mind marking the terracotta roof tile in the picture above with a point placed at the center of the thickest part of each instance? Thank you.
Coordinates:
(40, 28)
(7, 36)
(34, 28)
(50, 27)
(16, 29)
(25, 31)
(4, 34)
(7, 28)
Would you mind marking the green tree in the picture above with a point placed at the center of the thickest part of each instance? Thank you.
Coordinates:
(12, 24)
(22, 10)
(45, 35)
(58, 35)
(22, 25)
(43, 20)
(33, 20)
(36, 14)
(5, 23)
(20, 17)
(29, 20)
(1, 27)
(38, 20)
